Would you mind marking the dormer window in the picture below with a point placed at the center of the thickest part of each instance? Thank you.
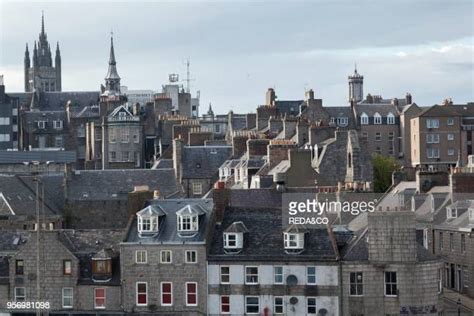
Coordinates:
(147, 224)
(148, 221)
(294, 240)
(364, 119)
(188, 223)
(102, 265)
(58, 124)
(342, 121)
(471, 215)
(233, 240)
(451, 212)
(390, 118)
(377, 118)
(41, 124)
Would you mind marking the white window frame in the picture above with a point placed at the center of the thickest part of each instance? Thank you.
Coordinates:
(250, 275)
(20, 298)
(450, 136)
(95, 298)
(432, 153)
(356, 283)
(141, 256)
(193, 253)
(390, 119)
(197, 188)
(187, 293)
(451, 151)
(391, 283)
(41, 124)
(188, 223)
(151, 224)
(308, 275)
(275, 275)
(364, 119)
(58, 124)
(282, 305)
(221, 304)
(163, 252)
(450, 121)
(225, 274)
(432, 123)
(291, 243)
(64, 297)
(138, 293)
(432, 138)
(161, 293)
(247, 305)
(377, 118)
(238, 240)
(308, 305)
(378, 136)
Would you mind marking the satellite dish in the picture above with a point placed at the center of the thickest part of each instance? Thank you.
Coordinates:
(293, 300)
(291, 280)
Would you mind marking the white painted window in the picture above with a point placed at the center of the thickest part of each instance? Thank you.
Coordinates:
(191, 294)
(233, 240)
(294, 240)
(190, 256)
(378, 136)
(432, 138)
(364, 119)
(356, 285)
(141, 256)
(4, 121)
(225, 275)
(432, 123)
(450, 136)
(197, 188)
(41, 124)
(166, 293)
(99, 298)
(68, 297)
(450, 121)
(251, 275)
(391, 283)
(147, 224)
(390, 118)
(20, 294)
(58, 124)
(225, 304)
(342, 121)
(124, 135)
(278, 305)
(377, 118)
(450, 151)
(278, 275)
(4, 137)
(252, 305)
(141, 293)
(311, 275)
(188, 223)
(311, 306)
(166, 256)
(432, 152)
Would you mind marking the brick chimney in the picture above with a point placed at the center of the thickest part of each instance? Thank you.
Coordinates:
(257, 147)
(408, 98)
(270, 97)
(277, 151)
(239, 145)
(221, 198)
(137, 198)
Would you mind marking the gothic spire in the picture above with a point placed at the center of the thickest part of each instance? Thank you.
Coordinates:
(112, 53)
(42, 22)
(27, 52)
(112, 72)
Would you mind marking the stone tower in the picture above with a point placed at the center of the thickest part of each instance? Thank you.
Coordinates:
(43, 76)
(356, 86)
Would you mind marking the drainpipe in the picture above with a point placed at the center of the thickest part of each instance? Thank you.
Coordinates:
(341, 290)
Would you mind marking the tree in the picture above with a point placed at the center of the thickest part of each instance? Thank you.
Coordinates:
(383, 168)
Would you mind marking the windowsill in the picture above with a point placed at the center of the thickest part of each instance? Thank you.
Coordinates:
(392, 296)
(251, 283)
(356, 295)
(142, 305)
(99, 307)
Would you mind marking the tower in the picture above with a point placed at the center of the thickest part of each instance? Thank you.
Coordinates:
(112, 79)
(356, 86)
(42, 76)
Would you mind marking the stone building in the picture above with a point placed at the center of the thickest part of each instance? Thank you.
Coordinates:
(42, 76)
(163, 257)
(9, 107)
(44, 129)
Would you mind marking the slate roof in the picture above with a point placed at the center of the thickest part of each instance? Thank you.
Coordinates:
(371, 109)
(203, 162)
(19, 157)
(264, 240)
(163, 164)
(167, 227)
(116, 184)
(449, 110)
(11, 241)
(290, 107)
(58, 100)
(87, 112)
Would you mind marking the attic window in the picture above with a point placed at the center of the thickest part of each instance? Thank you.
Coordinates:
(293, 240)
(147, 224)
(377, 118)
(451, 212)
(233, 240)
(188, 223)
(471, 214)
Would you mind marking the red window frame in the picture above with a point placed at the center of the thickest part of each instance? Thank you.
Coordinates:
(191, 294)
(225, 304)
(142, 293)
(166, 293)
(99, 298)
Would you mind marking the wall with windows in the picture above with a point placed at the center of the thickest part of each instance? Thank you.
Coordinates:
(98, 297)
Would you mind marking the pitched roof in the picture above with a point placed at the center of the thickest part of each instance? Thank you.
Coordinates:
(448, 110)
(20, 157)
(203, 162)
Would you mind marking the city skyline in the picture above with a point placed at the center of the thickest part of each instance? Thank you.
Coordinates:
(235, 63)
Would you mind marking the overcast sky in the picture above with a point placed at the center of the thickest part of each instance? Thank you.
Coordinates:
(240, 48)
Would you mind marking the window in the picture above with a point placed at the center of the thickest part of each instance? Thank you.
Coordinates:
(450, 152)
(377, 118)
(166, 256)
(142, 293)
(278, 275)
(4, 137)
(252, 304)
(136, 139)
(188, 223)
(20, 294)
(191, 294)
(450, 136)
(391, 284)
(356, 283)
(432, 138)
(364, 119)
(342, 121)
(311, 305)
(451, 241)
(440, 280)
(225, 304)
(99, 298)
(112, 138)
(251, 275)
(463, 243)
(68, 297)
(19, 267)
(190, 256)
(294, 240)
(166, 293)
(432, 152)
(217, 128)
(278, 305)
(125, 155)
(432, 123)
(67, 267)
(58, 141)
(225, 274)
(41, 124)
(390, 118)
(451, 212)
(197, 188)
(141, 256)
(232, 240)
(58, 124)
(4, 121)
(378, 136)
(124, 135)
(147, 224)
(311, 275)
(113, 156)
(441, 241)
(450, 121)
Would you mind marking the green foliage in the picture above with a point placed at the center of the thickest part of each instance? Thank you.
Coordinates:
(383, 168)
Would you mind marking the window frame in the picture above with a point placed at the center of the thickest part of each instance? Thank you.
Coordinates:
(141, 252)
(282, 305)
(247, 275)
(162, 293)
(16, 296)
(103, 306)
(221, 274)
(377, 118)
(188, 223)
(64, 297)
(188, 293)
(223, 304)
(356, 283)
(186, 252)
(308, 305)
(299, 242)
(65, 262)
(196, 185)
(238, 242)
(308, 275)
(138, 294)
(275, 274)
(19, 269)
(247, 305)
(162, 252)
(390, 283)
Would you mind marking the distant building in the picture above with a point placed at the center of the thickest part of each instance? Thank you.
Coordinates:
(9, 107)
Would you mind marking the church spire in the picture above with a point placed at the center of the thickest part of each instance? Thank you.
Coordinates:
(112, 53)
(42, 22)
(112, 79)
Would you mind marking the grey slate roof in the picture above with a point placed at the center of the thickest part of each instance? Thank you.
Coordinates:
(289, 107)
(264, 240)
(11, 241)
(116, 184)
(167, 226)
(58, 100)
(203, 162)
(163, 164)
(19, 157)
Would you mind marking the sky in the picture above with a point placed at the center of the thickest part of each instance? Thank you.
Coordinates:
(238, 49)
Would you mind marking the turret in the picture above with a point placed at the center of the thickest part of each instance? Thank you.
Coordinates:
(27, 65)
(356, 86)
(35, 57)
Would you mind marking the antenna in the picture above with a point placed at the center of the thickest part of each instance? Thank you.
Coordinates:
(188, 76)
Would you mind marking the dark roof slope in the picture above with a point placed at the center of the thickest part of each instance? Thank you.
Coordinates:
(203, 162)
(19, 157)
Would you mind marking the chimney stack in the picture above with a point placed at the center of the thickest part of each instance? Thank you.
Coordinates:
(221, 197)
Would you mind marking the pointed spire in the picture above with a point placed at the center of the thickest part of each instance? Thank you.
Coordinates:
(112, 53)
(355, 68)
(27, 52)
(42, 22)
